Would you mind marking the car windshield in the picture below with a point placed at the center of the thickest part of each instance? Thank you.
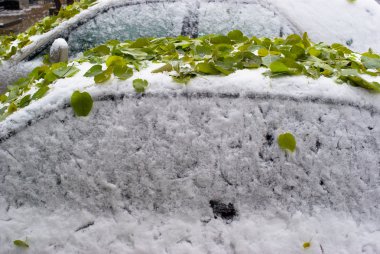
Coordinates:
(177, 18)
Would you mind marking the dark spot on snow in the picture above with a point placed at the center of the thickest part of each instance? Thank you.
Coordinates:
(261, 155)
(205, 219)
(369, 11)
(289, 187)
(349, 42)
(226, 212)
(58, 180)
(307, 171)
(19, 203)
(370, 128)
(269, 138)
(229, 95)
(320, 119)
(321, 182)
(318, 144)
(85, 226)
(261, 110)
(236, 144)
(281, 32)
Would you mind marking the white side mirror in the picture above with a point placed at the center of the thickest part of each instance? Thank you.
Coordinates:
(59, 51)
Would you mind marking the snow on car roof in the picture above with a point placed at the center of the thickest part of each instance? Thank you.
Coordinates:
(241, 82)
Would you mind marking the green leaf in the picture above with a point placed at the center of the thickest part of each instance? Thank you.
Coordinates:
(24, 101)
(325, 69)
(167, 67)
(103, 76)
(371, 61)
(140, 85)
(115, 60)
(66, 71)
(305, 40)
(122, 72)
(181, 79)
(206, 68)
(203, 50)
(3, 98)
(293, 39)
(2, 110)
(81, 103)
(297, 52)
(267, 60)
(277, 67)
(224, 66)
(50, 77)
(306, 245)
(263, 52)
(314, 52)
(250, 60)
(341, 48)
(140, 43)
(40, 93)
(135, 53)
(220, 39)
(94, 70)
(286, 141)
(237, 36)
(12, 108)
(349, 72)
(21, 244)
(101, 50)
(359, 81)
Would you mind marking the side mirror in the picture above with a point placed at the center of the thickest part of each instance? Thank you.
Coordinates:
(59, 51)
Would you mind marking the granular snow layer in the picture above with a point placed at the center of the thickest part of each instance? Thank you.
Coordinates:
(141, 232)
(10, 73)
(138, 174)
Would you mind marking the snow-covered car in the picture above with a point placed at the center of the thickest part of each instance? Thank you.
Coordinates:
(177, 145)
(121, 20)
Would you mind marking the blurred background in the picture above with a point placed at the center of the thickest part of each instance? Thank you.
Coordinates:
(18, 15)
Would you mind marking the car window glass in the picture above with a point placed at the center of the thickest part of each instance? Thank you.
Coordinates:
(129, 22)
(172, 19)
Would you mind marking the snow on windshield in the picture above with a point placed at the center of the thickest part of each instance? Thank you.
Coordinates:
(173, 19)
(129, 22)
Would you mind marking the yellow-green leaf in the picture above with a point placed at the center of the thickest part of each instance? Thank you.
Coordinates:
(306, 245)
(21, 244)
(140, 85)
(286, 141)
